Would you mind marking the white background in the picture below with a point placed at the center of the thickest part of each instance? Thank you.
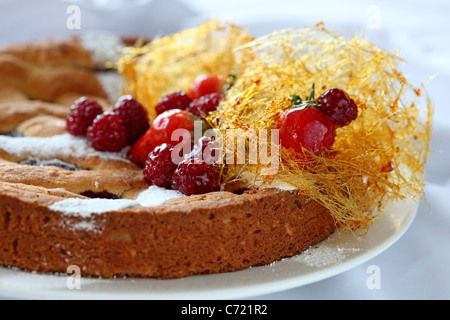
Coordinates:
(417, 266)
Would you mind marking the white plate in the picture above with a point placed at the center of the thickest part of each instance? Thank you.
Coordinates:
(339, 253)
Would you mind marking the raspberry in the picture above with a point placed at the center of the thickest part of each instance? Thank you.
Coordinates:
(159, 166)
(81, 115)
(133, 116)
(107, 133)
(192, 177)
(174, 100)
(207, 150)
(205, 104)
(306, 127)
(338, 105)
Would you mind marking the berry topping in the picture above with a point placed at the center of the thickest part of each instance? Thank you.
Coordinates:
(306, 127)
(141, 148)
(81, 115)
(206, 149)
(205, 104)
(174, 100)
(133, 116)
(338, 105)
(206, 84)
(192, 177)
(107, 133)
(161, 132)
(160, 166)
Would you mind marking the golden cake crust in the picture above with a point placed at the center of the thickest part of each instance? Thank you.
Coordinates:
(215, 232)
(14, 113)
(44, 83)
(52, 52)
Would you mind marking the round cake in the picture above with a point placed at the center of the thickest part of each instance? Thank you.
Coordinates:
(73, 199)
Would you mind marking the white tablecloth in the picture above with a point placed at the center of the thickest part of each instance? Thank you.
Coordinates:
(416, 266)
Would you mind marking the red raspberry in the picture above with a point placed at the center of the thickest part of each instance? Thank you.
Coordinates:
(306, 127)
(207, 150)
(191, 177)
(133, 116)
(205, 104)
(338, 105)
(81, 115)
(107, 133)
(160, 166)
(175, 100)
(206, 84)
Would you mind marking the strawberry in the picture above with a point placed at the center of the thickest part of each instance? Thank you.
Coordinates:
(206, 84)
(141, 148)
(306, 127)
(161, 132)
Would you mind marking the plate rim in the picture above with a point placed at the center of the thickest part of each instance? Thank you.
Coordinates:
(246, 291)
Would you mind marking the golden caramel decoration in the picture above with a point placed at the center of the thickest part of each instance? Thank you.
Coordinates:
(378, 158)
(173, 62)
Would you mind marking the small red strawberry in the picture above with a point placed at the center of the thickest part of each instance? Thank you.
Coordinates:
(306, 127)
(161, 132)
(206, 84)
(141, 148)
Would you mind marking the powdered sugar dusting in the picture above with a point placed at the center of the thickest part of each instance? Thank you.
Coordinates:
(86, 207)
(86, 224)
(153, 196)
(325, 255)
(55, 147)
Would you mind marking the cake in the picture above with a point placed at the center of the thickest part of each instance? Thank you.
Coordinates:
(68, 199)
